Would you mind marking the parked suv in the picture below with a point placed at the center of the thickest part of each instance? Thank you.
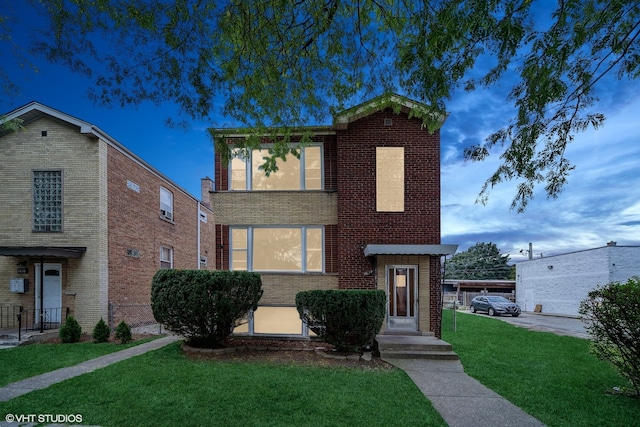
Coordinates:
(494, 305)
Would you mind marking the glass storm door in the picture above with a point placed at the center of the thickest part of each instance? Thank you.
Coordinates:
(52, 293)
(402, 296)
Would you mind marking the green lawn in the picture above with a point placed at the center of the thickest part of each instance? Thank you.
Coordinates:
(554, 378)
(35, 359)
(164, 388)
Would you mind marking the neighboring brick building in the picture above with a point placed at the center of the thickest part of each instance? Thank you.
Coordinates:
(360, 209)
(559, 283)
(99, 219)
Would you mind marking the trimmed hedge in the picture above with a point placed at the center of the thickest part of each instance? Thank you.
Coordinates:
(204, 306)
(347, 319)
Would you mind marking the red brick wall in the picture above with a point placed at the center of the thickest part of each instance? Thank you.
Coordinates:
(359, 223)
(134, 223)
(435, 291)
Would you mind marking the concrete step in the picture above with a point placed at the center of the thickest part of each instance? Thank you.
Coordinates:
(9, 341)
(414, 347)
(430, 355)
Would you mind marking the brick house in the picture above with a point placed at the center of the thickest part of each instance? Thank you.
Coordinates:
(360, 209)
(91, 218)
(559, 283)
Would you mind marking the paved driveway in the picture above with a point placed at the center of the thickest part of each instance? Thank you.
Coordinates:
(547, 323)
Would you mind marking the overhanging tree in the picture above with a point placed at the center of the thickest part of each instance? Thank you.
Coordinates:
(268, 63)
(481, 261)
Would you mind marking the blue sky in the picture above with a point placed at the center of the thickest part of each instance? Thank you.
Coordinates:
(600, 203)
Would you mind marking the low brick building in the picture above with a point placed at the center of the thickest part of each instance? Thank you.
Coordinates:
(360, 209)
(90, 218)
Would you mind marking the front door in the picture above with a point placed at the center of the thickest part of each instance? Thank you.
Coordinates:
(402, 296)
(51, 292)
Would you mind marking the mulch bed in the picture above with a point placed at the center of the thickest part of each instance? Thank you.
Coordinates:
(311, 353)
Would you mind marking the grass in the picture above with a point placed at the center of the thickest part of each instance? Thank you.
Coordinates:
(164, 388)
(34, 359)
(554, 378)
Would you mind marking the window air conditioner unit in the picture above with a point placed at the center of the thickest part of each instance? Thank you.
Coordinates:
(19, 285)
(166, 214)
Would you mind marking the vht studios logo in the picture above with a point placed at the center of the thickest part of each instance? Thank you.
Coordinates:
(43, 418)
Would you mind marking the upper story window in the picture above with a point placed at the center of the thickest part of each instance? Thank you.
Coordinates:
(166, 204)
(298, 248)
(47, 200)
(390, 179)
(295, 174)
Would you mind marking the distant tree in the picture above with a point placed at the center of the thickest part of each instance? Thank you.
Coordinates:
(286, 63)
(480, 261)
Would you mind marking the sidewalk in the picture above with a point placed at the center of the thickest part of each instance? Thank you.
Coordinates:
(461, 400)
(25, 386)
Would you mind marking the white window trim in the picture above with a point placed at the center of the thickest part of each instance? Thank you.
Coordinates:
(249, 248)
(303, 187)
(166, 213)
(170, 260)
(34, 203)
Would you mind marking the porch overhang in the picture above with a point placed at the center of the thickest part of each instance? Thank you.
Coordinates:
(436, 250)
(41, 251)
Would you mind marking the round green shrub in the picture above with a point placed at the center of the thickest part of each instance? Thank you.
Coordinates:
(70, 331)
(347, 319)
(123, 332)
(202, 305)
(612, 315)
(101, 332)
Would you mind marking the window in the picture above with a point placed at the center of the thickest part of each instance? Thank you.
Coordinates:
(166, 204)
(297, 249)
(304, 173)
(274, 320)
(166, 257)
(47, 200)
(390, 179)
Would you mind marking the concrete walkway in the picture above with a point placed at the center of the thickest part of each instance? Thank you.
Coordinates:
(19, 388)
(461, 400)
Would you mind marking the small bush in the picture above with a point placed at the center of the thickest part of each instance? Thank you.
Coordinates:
(204, 306)
(123, 332)
(612, 313)
(101, 332)
(347, 319)
(70, 331)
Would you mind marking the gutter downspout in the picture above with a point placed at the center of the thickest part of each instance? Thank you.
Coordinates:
(41, 294)
(198, 219)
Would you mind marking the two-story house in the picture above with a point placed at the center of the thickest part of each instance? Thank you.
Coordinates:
(360, 209)
(86, 223)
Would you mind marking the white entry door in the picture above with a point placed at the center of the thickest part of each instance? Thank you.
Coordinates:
(402, 297)
(51, 293)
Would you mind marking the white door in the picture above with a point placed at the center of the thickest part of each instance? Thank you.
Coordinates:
(52, 293)
(402, 297)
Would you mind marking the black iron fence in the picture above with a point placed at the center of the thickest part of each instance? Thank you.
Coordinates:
(9, 315)
(139, 317)
(32, 319)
